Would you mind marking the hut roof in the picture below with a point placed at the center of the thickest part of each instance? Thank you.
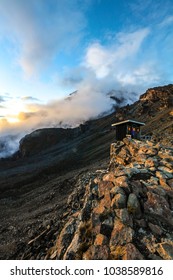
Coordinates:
(132, 121)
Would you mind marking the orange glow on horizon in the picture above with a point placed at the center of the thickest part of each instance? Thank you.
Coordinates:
(15, 112)
(12, 119)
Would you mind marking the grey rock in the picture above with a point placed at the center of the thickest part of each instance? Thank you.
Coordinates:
(133, 205)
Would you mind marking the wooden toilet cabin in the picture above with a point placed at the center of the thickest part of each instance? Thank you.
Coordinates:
(128, 128)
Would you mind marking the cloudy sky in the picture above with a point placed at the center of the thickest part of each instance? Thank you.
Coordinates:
(49, 49)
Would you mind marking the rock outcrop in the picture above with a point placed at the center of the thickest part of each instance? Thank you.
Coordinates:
(155, 109)
(126, 212)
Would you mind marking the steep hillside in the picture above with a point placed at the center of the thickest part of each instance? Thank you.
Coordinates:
(53, 164)
(126, 211)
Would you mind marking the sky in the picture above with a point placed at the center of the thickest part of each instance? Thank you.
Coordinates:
(51, 48)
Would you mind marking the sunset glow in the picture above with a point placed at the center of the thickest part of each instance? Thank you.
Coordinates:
(12, 119)
(59, 60)
(14, 112)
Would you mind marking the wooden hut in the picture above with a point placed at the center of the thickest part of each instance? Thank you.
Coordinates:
(128, 128)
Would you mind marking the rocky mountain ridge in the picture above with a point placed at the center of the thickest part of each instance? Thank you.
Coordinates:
(127, 212)
(155, 105)
(69, 200)
(122, 212)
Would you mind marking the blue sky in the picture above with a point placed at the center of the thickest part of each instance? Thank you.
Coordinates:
(51, 48)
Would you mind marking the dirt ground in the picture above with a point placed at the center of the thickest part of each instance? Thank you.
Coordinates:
(33, 206)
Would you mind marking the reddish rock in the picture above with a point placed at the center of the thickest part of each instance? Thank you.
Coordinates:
(65, 237)
(120, 171)
(150, 162)
(133, 150)
(121, 181)
(165, 250)
(132, 253)
(98, 214)
(150, 242)
(120, 160)
(97, 252)
(132, 146)
(117, 252)
(103, 186)
(142, 150)
(160, 175)
(153, 180)
(110, 177)
(124, 154)
(104, 206)
(121, 234)
(147, 151)
(163, 183)
(127, 252)
(166, 156)
(167, 171)
(106, 201)
(100, 239)
(158, 207)
(99, 210)
(166, 164)
(74, 247)
(115, 147)
(140, 158)
(153, 169)
(127, 141)
(129, 208)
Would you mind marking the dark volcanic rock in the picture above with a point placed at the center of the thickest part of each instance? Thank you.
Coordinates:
(42, 139)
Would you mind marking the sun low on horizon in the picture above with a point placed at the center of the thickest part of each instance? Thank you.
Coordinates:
(52, 49)
(14, 112)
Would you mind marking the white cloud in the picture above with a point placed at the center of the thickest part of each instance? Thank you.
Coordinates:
(41, 29)
(131, 62)
(105, 61)
(122, 64)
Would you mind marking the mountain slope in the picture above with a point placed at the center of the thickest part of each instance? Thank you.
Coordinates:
(35, 183)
